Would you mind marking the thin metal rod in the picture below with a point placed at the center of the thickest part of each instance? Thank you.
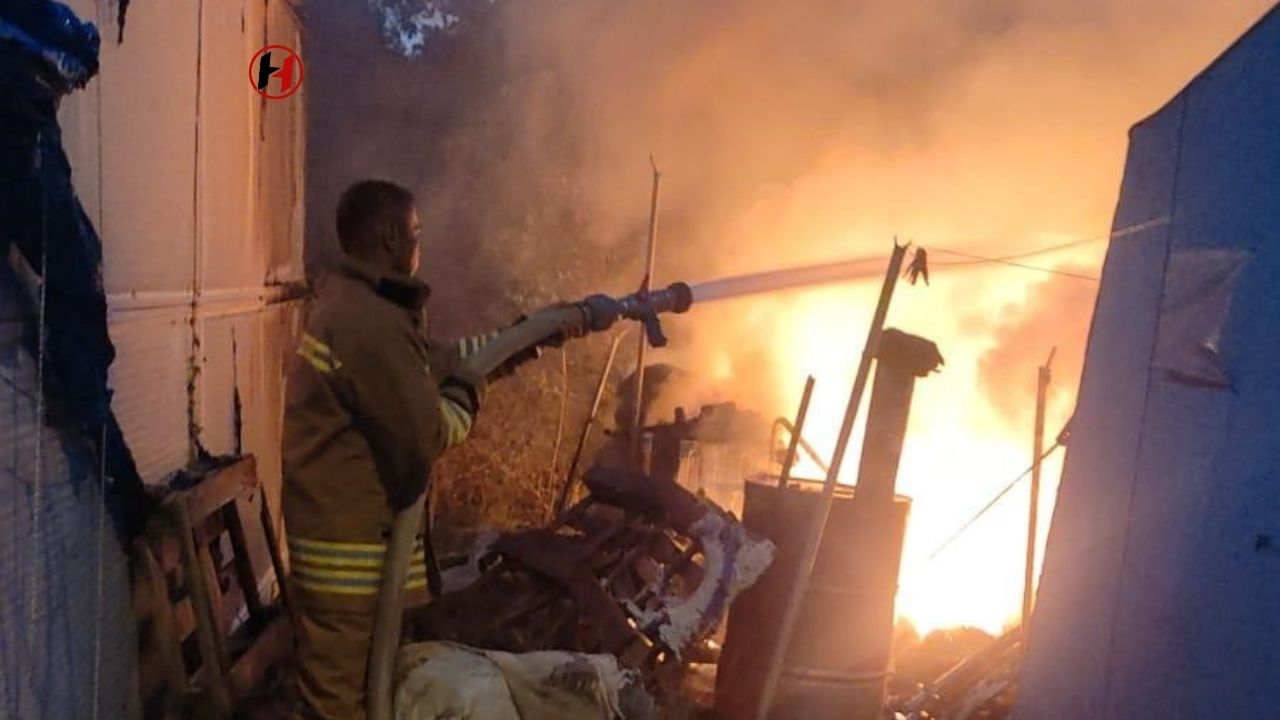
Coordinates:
(785, 475)
(819, 523)
(571, 478)
(785, 424)
(637, 417)
(1028, 577)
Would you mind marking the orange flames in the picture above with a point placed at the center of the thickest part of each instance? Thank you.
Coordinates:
(792, 134)
(960, 449)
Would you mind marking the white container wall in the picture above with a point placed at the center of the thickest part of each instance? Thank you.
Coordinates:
(194, 182)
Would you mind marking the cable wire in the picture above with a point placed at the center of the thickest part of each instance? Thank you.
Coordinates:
(1010, 260)
(969, 523)
(978, 260)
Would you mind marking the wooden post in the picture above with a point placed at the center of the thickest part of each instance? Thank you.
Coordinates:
(637, 418)
(1028, 578)
(819, 523)
(785, 474)
(570, 480)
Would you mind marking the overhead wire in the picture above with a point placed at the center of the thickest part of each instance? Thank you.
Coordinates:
(979, 259)
(1011, 259)
(992, 503)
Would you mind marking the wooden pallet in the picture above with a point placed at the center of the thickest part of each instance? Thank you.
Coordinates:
(212, 611)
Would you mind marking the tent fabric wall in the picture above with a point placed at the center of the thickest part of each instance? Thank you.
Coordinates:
(1160, 595)
(195, 184)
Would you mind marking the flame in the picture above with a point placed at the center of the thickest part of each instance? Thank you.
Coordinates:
(959, 450)
(961, 447)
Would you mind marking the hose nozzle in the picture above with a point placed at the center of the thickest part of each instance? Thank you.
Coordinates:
(646, 305)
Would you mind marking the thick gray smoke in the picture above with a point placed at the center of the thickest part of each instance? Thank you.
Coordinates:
(788, 133)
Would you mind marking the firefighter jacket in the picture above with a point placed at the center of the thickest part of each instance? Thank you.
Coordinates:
(367, 412)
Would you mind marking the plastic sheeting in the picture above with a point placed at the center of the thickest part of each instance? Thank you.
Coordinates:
(1159, 597)
(45, 53)
(1198, 288)
(445, 681)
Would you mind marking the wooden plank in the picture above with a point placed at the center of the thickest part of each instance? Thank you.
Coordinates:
(165, 641)
(184, 619)
(270, 647)
(220, 488)
(199, 576)
(243, 564)
(277, 560)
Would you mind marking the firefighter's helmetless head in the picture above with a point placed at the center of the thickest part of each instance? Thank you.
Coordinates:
(378, 223)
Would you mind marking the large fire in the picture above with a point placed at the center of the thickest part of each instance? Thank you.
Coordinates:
(960, 450)
(797, 133)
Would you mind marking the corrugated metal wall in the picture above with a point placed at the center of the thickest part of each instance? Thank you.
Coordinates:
(195, 183)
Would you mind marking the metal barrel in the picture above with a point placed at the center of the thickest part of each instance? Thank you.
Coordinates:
(839, 654)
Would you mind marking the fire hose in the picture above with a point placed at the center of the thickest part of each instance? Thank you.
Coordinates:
(595, 314)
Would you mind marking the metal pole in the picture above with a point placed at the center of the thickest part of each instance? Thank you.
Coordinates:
(823, 511)
(637, 418)
(785, 424)
(567, 489)
(785, 474)
(1028, 578)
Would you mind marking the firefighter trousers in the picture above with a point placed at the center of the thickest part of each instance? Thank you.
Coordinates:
(333, 660)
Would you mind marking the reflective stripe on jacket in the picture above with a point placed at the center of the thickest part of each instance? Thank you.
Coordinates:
(364, 422)
(345, 568)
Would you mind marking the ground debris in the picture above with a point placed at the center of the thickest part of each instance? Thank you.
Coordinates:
(641, 569)
(980, 686)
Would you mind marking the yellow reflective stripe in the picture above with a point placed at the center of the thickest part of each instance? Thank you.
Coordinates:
(315, 362)
(335, 546)
(341, 589)
(320, 349)
(457, 422)
(329, 552)
(310, 341)
(320, 561)
(471, 345)
(318, 354)
(346, 568)
(373, 576)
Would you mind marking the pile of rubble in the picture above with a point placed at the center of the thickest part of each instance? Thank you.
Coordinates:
(642, 570)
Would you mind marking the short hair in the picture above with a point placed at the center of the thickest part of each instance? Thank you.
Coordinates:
(364, 206)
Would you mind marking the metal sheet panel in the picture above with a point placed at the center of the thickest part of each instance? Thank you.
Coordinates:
(264, 365)
(149, 377)
(148, 93)
(281, 144)
(223, 340)
(232, 255)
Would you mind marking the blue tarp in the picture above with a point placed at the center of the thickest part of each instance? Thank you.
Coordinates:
(45, 53)
(1160, 594)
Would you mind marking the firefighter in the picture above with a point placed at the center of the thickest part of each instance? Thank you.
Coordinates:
(369, 407)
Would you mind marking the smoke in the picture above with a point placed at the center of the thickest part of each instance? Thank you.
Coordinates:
(787, 134)
(797, 132)
(1055, 315)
